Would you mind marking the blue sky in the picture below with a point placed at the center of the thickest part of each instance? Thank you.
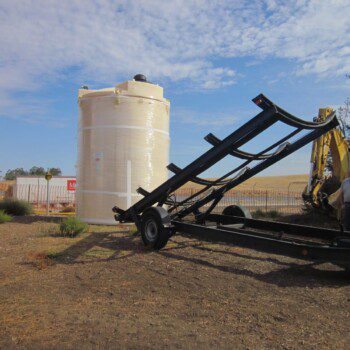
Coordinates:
(211, 57)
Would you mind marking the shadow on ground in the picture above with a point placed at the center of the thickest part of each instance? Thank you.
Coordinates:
(101, 246)
(123, 245)
(290, 275)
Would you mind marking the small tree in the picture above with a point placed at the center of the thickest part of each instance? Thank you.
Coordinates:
(37, 171)
(55, 171)
(11, 174)
(344, 117)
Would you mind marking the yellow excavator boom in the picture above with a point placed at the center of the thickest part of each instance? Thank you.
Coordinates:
(322, 187)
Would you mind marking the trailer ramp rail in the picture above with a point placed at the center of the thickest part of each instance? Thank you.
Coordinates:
(157, 224)
(230, 146)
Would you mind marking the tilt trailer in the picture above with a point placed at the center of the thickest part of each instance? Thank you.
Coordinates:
(158, 215)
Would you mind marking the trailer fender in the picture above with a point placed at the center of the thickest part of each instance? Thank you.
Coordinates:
(237, 210)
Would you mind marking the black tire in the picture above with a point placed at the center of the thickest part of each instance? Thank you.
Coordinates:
(237, 210)
(344, 242)
(153, 232)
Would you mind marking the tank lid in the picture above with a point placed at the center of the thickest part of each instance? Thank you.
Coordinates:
(140, 77)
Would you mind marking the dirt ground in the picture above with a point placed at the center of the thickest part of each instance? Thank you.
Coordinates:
(104, 290)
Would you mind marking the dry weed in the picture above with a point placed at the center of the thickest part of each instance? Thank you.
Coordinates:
(40, 260)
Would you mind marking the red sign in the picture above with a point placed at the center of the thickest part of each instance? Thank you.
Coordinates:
(71, 185)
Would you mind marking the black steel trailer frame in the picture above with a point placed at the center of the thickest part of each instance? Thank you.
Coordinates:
(156, 224)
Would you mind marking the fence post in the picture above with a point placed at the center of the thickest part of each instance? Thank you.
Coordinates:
(29, 193)
(47, 197)
(266, 201)
(37, 196)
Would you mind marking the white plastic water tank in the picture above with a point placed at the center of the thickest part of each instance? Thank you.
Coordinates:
(123, 143)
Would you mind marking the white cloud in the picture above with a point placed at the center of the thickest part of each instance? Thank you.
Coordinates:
(105, 41)
(314, 33)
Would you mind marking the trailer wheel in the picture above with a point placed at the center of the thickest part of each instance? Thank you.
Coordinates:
(237, 210)
(153, 232)
(343, 241)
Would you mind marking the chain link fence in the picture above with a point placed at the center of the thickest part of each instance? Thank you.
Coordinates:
(285, 202)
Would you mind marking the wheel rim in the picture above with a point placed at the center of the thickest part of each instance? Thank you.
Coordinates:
(151, 230)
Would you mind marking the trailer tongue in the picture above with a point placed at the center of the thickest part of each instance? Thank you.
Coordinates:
(157, 223)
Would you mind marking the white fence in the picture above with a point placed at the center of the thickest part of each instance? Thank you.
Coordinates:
(59, 196)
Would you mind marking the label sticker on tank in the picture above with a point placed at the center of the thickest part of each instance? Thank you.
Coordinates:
(98, 157)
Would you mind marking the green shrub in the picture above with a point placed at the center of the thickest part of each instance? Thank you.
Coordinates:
(16, 207)
(72, 226)
(273, 214)
(258, 214)
(4, 217)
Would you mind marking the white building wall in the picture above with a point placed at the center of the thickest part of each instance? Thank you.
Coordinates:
(34, 189)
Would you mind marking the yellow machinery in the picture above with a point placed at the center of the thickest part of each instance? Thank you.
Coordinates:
(330, 165)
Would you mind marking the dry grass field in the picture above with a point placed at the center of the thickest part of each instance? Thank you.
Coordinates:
(104, 290)
(279, 183)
